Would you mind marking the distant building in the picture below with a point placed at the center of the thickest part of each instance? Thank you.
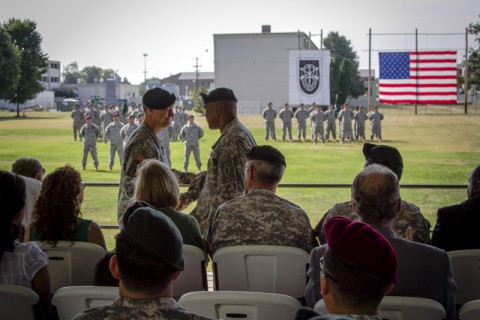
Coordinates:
(107, 92)
(190, 80)
(51, 78)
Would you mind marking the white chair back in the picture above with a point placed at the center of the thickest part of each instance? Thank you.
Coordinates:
(17, 302)
(71, 300)
(466, 273)
(470, 311)
(194, 277)
(261, 268)
(403, 308)
(72, 264)
(240, 305)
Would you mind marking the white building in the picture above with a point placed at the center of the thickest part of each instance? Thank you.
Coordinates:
(110, 91)
(51, 78)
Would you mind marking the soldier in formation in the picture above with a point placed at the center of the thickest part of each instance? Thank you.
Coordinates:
(359, 124)
(78, 121)
(112, 134)
(165, 136)
(90, 132)
(269, 114)
(317, 117)
(105, 119)
(286, 116)
(375, 118)
(331, 126)
(345, 117)
(128, 129)
(302, 115)
(191, 133)
(177, 123)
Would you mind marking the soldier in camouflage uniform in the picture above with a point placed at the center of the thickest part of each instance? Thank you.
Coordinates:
(375, 118)
(191, 133)
(410, 215)
(345, 123)
(90, 133)
(302, 115)
(318, 117)
(78, 121)
(177, 123)
(269, 114)
(331, 126)
(286, 116)
(96, 120)
(260, 217)
(128, 129)
(105, 119)
(359, 126)
(148, 258)
(144, 144)
(140, 118)
(112, 133)
(164, 136)
(225, 168)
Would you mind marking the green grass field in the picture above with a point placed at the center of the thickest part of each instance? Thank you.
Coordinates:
(438, 148)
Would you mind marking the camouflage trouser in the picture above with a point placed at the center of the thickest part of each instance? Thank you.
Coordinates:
(302, 130)
(196, 155)
(76, 129)
(359, 131)
(376, 131)
(317, 132)
(331, 129)
(346, 132)
(270, 130)
(287, 126)
(176, 131)
(92, 148)
(118, 147)
(166, 148)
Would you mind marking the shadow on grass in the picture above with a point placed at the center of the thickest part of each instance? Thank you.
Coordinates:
(12, 118)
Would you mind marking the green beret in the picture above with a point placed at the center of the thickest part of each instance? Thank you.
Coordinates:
(154, 233)
(219, 94)
(158, 98)
(266, 153)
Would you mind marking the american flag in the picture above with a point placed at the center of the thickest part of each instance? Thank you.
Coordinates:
(423, 77)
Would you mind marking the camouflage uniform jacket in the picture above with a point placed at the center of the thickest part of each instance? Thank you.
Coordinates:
(78, 116)
(142, 145)
(286, 115)
(106, 118)
(191, 133)
(317, 119)
(269, 115)
(330, 115)
(125, 308)
(345, 116)
(410, 216)
(260, 218)
(112, 133)
(89, 133)
(376, 118)
(301, 115)
(225, 170)
(127, 131)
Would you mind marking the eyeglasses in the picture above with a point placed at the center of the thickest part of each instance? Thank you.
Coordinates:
(322, 269)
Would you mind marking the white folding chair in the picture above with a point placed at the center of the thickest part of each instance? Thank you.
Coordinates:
(72, 264)
(194, 277)
(403, 308)
(470, 311)
(71, 300)
(239, 304)
(466, 273)
(261, 268)
(17, 302)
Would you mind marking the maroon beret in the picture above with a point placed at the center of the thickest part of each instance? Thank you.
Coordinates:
(88, 117)
(362, 246)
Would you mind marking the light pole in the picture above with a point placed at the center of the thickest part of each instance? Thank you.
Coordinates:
(145, 69)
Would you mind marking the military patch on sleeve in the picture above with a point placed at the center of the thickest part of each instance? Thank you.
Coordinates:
(139, 157)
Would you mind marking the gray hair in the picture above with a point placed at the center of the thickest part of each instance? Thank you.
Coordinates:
(267, 172)
(376, 191)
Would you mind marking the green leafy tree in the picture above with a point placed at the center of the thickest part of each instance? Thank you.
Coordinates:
(33, 61)
(125, 80)
(474, 55)
(9, 64)
(341, 50)
(196, 96)
(91, 74)
(71, 73)
(109, 74)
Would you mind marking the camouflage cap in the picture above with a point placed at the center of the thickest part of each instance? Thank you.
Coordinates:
(219, 94)
(158, 98)
(154, 233)
(266, 153)
(362, 247)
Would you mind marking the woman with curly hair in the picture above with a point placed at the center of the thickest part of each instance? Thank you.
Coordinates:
(57, 216)
(22, 264)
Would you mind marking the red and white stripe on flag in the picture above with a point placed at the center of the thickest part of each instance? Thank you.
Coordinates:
(423, 77)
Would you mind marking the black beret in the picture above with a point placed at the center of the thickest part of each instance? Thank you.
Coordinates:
(158, 98)
(219, 94)
(267, 153)
(154, 233)
(384, 155)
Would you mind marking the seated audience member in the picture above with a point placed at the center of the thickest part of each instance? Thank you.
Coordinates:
(353, 279)
(32, 172)
(156, 185)
(22, 264)
(457, 226)
(423, 271)
(148, 257)
(56, 215)
(260, 217)
(410, 221)
(103, 276)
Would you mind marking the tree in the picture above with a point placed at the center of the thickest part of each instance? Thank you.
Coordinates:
(9, 65)
(474, 55)
(341, 50)
(91, 74)
(71, 74)
(33, 61)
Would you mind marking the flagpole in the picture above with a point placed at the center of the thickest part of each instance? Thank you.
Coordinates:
(465, 91)
(416, 51)
(369, 68)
